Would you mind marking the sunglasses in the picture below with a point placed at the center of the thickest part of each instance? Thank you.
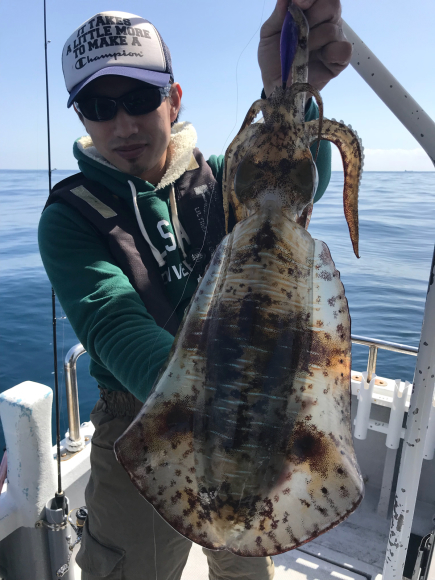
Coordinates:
(137, 102)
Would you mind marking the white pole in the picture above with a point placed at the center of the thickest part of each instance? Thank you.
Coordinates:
(429, 446)
(414, 442)
(389, 90)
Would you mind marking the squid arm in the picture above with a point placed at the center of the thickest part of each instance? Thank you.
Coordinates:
(233, 155)
(305, 217)
(351, 151)
(300, 62)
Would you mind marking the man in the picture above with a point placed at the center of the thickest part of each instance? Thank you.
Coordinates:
(124, 243)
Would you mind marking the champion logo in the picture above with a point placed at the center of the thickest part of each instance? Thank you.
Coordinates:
(83, 61)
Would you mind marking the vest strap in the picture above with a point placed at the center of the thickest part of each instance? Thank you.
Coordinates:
(200, 210)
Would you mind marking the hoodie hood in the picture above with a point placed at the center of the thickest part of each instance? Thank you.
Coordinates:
(154, 207)
(94, 166)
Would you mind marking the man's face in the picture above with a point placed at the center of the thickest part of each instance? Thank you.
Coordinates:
(133, 144)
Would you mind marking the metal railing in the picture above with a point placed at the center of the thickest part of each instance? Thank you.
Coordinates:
(72, 394)
(375, 344)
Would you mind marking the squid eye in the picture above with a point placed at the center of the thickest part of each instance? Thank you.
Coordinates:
(303, 176)
(247, 173)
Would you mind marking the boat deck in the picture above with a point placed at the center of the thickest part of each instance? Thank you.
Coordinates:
(354, 550)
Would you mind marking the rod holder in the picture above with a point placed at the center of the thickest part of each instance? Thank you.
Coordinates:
(58, 545)
(396, 416)
(364, 405)
(371, 362)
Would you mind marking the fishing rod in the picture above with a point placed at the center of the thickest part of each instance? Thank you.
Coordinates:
(59, 494)
(56, 508)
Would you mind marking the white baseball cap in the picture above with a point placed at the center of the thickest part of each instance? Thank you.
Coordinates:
(115, 43)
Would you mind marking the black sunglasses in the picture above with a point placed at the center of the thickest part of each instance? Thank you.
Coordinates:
(137, 102)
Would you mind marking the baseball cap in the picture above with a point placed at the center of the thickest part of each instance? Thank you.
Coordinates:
(115, 43)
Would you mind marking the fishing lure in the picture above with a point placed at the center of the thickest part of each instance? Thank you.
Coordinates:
(245, 442)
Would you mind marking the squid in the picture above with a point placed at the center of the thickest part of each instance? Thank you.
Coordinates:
(245, 441)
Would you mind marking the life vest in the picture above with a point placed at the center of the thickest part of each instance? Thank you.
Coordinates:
(200, 210)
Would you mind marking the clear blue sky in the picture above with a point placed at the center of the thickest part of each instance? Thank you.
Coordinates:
(206, 39)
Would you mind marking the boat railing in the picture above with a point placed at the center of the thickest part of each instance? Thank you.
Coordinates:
(374, 344)
(72, 393)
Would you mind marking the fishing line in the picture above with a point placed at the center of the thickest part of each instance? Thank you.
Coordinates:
(237, 70)
(212, 192)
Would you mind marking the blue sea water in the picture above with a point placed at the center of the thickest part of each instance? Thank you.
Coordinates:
(386, 288)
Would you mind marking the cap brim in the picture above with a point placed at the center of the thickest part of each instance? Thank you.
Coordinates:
(159, 79)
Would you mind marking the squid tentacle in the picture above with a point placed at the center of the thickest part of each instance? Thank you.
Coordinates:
(351, 150)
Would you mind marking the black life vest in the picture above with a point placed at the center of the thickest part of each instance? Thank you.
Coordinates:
(200, 210)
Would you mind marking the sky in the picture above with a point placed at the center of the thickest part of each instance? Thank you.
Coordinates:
(214, 53)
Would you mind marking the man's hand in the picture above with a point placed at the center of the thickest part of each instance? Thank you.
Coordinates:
(330, 52)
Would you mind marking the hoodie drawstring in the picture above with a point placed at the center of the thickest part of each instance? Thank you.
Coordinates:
(157, 255)
(176, 221)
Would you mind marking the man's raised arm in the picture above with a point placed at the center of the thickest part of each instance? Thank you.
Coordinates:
(330, 52)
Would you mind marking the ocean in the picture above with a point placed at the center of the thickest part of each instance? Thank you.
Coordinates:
(385, 288)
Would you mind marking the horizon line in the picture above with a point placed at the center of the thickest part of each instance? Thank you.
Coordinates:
(332, 170)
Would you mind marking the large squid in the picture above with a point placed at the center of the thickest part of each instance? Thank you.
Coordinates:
(245, 442)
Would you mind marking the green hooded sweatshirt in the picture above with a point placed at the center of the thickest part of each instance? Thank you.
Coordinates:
(125, 345)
